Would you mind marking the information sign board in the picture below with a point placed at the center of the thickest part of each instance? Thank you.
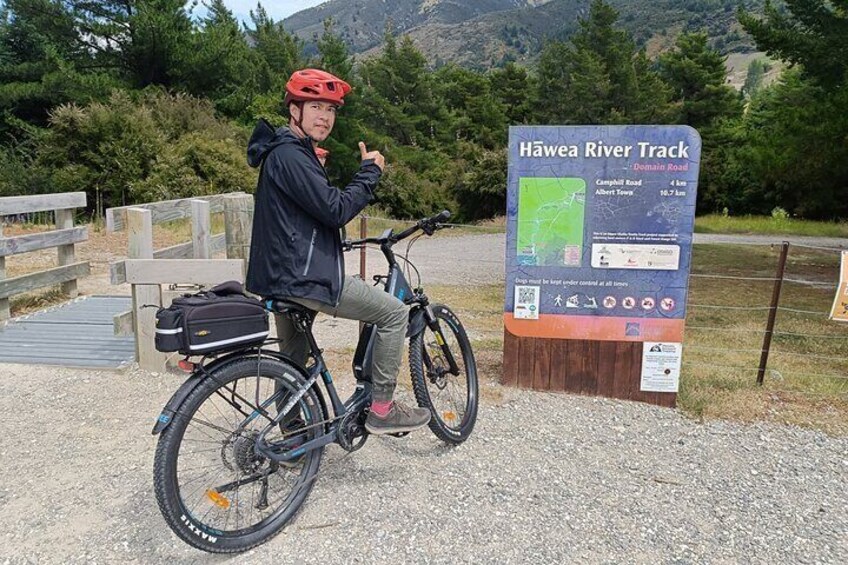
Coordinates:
(599, 231)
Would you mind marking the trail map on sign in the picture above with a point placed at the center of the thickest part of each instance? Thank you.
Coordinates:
(550, 221)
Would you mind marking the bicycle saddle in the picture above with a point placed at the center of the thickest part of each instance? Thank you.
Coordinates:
(280, 306)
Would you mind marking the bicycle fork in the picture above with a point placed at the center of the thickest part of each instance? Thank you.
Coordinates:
(433, 323)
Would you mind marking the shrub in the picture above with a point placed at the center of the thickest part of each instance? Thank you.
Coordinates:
(194, 166)
(143, 146)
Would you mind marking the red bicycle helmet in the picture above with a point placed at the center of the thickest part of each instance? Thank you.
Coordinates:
(315, 84)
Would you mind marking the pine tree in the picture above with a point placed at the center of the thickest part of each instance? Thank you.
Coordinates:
(279, 49)
(599, 78)
(812, 33)
(511, 86)
(218, 64)
(348, 131)
(697, 77)
(43, 62)
(144, 39)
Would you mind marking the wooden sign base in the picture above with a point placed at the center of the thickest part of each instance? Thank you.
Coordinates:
(603, 368)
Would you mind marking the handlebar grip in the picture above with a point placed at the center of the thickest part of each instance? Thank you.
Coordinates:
(442, 216)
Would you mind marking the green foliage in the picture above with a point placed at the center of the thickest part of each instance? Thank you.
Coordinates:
(511, 86)
(41, 57)
(754, 78)
(401, 95)
(795, 150)
(811, 33)
(195, 165)
(137, 147)
(217, 63)
(143, 40)
(697, 75)
(789, 150)
(348, 130)
(476, 115)
(279, 50)
(482, 193)
(406, 194)
(133, 101)
(600, 77)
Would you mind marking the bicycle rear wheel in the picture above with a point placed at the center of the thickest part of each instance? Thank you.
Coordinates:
(452, 398)
(215, 492)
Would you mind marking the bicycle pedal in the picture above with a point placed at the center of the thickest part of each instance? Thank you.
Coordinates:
(399, 434)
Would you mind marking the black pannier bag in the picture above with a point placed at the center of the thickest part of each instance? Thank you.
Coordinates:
(213, 321)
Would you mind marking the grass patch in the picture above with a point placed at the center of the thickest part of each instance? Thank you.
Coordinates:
(767, 225)
(719, 371)
(806, 382)
(23, 304)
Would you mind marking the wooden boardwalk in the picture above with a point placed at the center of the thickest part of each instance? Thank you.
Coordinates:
(79, 333)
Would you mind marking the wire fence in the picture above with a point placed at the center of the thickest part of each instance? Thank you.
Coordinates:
(760, 313)
(777, 327)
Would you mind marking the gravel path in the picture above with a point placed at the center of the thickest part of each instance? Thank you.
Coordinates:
(545, 478)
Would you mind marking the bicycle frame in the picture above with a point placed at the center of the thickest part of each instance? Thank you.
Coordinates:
(291, 448)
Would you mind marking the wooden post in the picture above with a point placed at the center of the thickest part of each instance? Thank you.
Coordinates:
(201, 222)
(65, 220)
(140, 228)
(238, 225)
(775, 300)
(5, 312)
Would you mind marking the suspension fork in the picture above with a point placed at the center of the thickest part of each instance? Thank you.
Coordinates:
(433, 323)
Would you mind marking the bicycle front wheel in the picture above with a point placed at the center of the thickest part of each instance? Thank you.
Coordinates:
(216, 492)
(451, 397)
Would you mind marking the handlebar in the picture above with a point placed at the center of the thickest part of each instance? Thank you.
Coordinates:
(427, 225)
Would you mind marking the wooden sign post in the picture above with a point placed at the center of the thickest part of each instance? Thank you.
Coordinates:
(599, 235)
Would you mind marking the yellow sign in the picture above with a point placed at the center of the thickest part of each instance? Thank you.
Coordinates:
(839, 312)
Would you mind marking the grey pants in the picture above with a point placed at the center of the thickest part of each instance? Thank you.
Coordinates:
(371, 304)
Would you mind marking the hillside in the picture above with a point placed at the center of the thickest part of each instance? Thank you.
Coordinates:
(484, 33)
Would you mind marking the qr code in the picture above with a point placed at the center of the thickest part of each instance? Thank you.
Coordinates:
(527, 295)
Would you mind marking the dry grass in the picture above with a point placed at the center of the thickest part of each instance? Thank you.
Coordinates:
(793, 392)
(807, 378)
(30, 302)
(100, 249)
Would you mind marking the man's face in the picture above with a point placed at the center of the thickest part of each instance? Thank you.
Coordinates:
(318, 119)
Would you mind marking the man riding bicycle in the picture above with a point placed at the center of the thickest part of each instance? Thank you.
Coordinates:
(296, 247)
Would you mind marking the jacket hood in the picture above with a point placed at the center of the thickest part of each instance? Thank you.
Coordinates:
(265, 138)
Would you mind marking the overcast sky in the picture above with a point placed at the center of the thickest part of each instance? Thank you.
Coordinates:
(277, 9)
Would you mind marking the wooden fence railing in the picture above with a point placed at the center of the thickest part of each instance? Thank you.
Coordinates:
(189, 263)
(63, 238)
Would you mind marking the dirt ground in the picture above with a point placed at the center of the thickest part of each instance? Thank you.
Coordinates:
(545, 478)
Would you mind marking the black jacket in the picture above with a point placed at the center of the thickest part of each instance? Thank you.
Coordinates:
(295, 249)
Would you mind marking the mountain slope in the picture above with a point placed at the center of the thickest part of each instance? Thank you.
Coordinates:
(483, 33)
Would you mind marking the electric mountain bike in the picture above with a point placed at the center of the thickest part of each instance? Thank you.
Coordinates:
(241, 441)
